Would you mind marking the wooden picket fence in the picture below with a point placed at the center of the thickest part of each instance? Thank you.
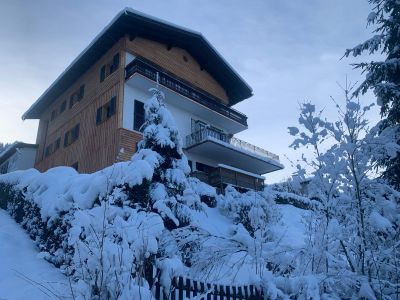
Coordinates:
(182, 288)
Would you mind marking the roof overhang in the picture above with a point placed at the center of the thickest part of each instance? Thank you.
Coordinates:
(132, 22)
(227, 154)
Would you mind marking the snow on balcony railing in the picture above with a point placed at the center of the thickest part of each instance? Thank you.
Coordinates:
(205, 133)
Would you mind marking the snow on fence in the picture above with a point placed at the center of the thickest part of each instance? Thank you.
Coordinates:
(185, 288)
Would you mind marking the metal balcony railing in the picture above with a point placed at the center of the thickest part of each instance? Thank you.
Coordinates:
(205, 133)
(150, 70)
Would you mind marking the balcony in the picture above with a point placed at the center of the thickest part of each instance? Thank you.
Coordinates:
(149, 70)
(228, 150)
(222, 175)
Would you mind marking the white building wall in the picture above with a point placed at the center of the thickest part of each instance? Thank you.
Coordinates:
(183, 119)
(22, 159)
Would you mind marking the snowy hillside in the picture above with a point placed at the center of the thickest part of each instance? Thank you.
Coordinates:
(23, 274)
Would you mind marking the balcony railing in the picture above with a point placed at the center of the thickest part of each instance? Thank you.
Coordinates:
(149, 70)
(205, 133)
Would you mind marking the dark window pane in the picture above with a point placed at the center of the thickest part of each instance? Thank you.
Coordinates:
(138, 115)
(98, 115)
(63, 106)
(75, 166)
(57, 144)
(66, 136)
(81, 92)
(112, 106)
(102, 73)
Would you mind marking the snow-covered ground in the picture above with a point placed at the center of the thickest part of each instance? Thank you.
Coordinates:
(23, 275)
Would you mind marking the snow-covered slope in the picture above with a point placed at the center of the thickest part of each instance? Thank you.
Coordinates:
(23, 275)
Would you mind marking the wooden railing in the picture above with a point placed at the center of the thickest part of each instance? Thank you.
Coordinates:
(184, 288)
(144, 67)
(203, 134)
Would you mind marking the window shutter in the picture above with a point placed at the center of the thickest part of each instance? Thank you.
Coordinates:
(76, 131)
(98, 115)
(113, 103)
(102, 73)
(138, 115)
(66, 139)
(116, 61)
(81, 91)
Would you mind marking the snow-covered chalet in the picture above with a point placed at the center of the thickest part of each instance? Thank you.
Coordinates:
(91, 116)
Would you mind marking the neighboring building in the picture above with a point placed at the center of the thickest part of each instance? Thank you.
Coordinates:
(90, 117)
(17, 156)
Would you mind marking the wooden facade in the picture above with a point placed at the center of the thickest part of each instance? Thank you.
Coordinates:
(179, 62)
(100, 145)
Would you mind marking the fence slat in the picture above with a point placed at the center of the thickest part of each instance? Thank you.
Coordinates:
(158, 290)
(173, 289)
(228, 292)
(180, 286)
(246, 292)
(194, 288)
(240, 293)
(234, 297)
(202, 290)
(216, 292)
(252, 296)
(209, 294)
(188, 288)
(221, 292)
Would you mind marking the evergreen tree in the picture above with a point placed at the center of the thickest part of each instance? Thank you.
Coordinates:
(383, 77)
(170, 192)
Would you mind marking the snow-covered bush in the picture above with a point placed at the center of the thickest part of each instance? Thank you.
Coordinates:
(352, 230)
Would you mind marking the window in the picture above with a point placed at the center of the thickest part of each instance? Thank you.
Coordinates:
(138, 117)
(109, 68)
(75, 166)
(203, 168)
(57, 144)
(106, 111)
(63, 106)
(53, 115)
(71, 136)
(77, 96)
(48, 150)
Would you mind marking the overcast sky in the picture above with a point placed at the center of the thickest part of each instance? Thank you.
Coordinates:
(288, 51)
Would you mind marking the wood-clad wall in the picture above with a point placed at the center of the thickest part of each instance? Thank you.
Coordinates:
(97, 145)
(127, 141)
(173, 60)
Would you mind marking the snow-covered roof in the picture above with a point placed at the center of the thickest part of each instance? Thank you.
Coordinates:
(11, 149)
(130, 21)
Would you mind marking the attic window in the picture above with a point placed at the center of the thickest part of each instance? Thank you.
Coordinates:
(185, 58)
(109, 68)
